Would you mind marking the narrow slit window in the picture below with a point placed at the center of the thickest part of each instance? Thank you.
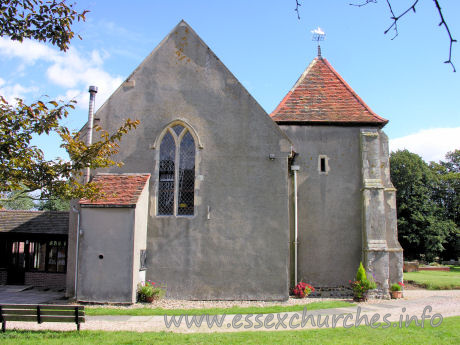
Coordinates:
(176, 185)
(323, 164)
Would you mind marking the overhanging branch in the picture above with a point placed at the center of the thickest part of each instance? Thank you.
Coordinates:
(396, 18)
(452, 40)
(297, 5)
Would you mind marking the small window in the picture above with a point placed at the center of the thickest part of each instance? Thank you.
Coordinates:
(323, 164)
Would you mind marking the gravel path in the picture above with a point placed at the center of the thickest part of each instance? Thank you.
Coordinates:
(446, 303)
(182, 304)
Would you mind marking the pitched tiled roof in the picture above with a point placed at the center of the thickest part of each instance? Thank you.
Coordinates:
(121, 190)
(34, 222)
(321, 96)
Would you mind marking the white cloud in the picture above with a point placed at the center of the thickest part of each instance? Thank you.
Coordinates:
(106, 86)
(74, 71)
(29, 51)
(12, 91)
(430, 144)
(75, 95)
(318, 31)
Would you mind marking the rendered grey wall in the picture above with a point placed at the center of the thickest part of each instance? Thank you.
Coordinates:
(329, 205)
(106, 231)
(242, 250)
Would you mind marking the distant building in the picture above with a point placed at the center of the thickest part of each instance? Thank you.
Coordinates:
(33, 248)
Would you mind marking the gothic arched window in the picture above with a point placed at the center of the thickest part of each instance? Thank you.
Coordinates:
(176, 176)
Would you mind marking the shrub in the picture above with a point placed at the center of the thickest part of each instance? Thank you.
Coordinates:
(397, 286)
(359, 289)
(147, 291)
(361, 274)
(302, 290)
(362, 284)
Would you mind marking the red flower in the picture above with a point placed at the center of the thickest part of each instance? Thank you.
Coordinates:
(302, 290)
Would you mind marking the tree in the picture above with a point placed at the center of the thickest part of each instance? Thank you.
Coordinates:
(447, 197)
(54, 204)
(35, 19)
(17, 200)
(422, 228)
(22, 165)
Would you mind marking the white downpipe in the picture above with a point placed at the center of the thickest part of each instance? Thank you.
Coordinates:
(74, 209)
(294, 169)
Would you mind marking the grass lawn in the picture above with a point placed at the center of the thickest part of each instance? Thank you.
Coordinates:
(215, 311)
(435, 280)
(447, 333)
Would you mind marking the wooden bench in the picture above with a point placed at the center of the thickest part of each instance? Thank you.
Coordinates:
(41, 313)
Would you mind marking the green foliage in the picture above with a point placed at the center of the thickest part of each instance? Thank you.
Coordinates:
(23, 165)
(446, 333)
(108, 310)
(423, 229)
(395, 287)
(371, 283)
(435, 280)
(447, 196)
(361, 274)
(362, 284)
(54, 204)
(148, 290)
(302, 290)
(17, 200)
(48, 21)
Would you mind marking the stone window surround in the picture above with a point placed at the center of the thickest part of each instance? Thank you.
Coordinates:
(198, 178)
(326, 163)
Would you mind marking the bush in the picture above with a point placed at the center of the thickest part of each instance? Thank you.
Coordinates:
(361, 274)
(147, 292)
(302, 290)
(397, 286)
(362, 284)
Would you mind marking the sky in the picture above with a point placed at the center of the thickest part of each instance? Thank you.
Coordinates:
(266, 46)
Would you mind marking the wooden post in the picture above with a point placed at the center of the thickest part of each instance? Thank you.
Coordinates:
(39, 319)
(3, 321)
(77, 320)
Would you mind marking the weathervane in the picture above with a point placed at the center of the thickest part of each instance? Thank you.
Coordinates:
(318, 36)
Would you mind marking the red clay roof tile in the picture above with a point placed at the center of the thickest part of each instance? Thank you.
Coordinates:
(118, 189)
(322, 96)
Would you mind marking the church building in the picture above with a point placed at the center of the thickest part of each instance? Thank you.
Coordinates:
(218, 200)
